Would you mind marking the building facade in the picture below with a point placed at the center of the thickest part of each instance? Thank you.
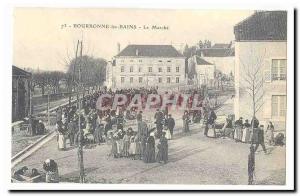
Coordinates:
(146, 66)
(21, 83)
(261, 40)
(204, 72)
(221, 55)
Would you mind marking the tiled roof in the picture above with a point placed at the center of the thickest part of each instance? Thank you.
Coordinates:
(221, 46)
(215, 52)
(150, 51)
(20, 72)
(262, 25)
(201, 61)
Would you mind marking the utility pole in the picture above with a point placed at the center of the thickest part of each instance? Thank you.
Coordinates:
(30, 97)
(73, 75)
(80, 146)
(48, 105)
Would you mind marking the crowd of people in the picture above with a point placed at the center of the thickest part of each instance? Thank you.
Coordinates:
(99, 127)
(137, 145)
(96, 123)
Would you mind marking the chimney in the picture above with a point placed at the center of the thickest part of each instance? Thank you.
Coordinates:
(136, 52)
(118, 47)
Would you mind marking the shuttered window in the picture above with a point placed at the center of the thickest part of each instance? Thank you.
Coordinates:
(168, 80)
(278, 69)
(278, 105)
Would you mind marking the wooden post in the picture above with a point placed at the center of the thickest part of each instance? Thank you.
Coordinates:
(73, 75)
(48, 108)
(30, 98)
(80, 146)
(17, 101)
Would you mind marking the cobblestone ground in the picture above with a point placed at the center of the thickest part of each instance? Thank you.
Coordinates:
(193, 159)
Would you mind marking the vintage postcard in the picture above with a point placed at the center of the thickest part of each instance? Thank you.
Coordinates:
(182, 99)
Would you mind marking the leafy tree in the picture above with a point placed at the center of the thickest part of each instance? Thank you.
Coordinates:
(39, 79)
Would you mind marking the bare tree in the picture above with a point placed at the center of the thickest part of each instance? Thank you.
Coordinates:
(40, 80)
(253, 80)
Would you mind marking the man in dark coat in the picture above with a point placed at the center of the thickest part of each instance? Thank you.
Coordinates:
(212, 117)
(40, 128)
(239, 122)
(72, 131)
(171, 124)
(143, 134)
(159, 117)
(139, 117)
(210, 121)
(254, 122)
(260, 138)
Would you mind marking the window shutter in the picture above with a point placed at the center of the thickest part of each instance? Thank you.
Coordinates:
(267, 76)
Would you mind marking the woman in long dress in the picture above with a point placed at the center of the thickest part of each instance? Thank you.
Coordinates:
(270, 133)
(150, 149)
(186, 120)
(114, 146)
(162, 155)
(126, 144)
(61, 137)
(138, 150)
(132, 147)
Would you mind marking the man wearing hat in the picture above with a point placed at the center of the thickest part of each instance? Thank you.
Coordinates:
(72, 130)
(171, 124)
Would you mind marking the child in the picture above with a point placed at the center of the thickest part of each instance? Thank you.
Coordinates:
(126, 144)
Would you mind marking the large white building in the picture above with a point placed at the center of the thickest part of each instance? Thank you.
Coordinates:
(204, 72)
(146, 66)
(261, 40)
(221, 55)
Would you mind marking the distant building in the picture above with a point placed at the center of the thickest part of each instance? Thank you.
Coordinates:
(146, 66)
(261, 40)
(21, 80)
(204, 72)
(221, 55)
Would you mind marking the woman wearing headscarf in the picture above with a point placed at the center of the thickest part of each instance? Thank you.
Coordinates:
(61, 135)
(51, 168)
(149, 155)
(162, 155)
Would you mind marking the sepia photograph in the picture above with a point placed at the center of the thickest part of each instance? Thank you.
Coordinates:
(128, 96)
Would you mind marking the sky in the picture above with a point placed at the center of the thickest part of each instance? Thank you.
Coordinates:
(45, 38)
